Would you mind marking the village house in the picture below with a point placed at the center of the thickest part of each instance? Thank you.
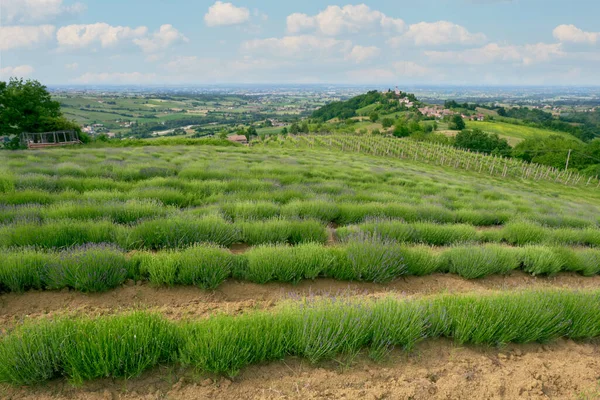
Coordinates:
(238, 139)
(435, 111)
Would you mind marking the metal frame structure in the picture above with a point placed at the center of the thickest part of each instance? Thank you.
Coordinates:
(49, 139)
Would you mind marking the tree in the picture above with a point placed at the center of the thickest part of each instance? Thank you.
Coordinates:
(401, 130)
(27, 106)
(477, 140)
(284, 131)
(387, 122)
(457, 123)
(304, 127)
(294, 129)
(374, 117)
(251, 131)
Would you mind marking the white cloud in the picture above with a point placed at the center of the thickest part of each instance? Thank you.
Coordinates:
(495, 53)
(540, 52)
(303, 46)
(226, 14)
(335, 20)
(161, 40)
(20, 71)
(572, 34)
(438, 33)
(72, 66)
(12, 37)
(81, 36)
(360, 54)
(116, 78)
(26, 11)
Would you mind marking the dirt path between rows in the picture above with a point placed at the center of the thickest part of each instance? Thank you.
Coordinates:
(437, 369)
(234, 296)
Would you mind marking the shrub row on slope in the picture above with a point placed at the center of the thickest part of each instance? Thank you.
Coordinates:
(93, 268)
(161, 233)
(514, 233)
(181, 231)
(125, 345)
(162, 201)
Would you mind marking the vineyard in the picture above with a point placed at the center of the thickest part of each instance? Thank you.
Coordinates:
(295, 266)
(437, 154)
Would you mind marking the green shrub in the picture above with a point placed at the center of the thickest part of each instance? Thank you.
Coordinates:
(586, 262)
(22, 269)
(473, 262)
(204, 266)
(442, 235)
(396, 323)
(226, 344)
(250, 210)
(540, 260)
(522, 233)
(180, 232)
(118, 346)
(287, 264)
(7, 182)
(26, 197)
(420, 260)
(283, 231)
(89, 268)
(60, 233)
(369, 259)
(420, 232)
(321, 210)
(160, 268)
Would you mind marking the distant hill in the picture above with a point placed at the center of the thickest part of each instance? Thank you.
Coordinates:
(373, 101)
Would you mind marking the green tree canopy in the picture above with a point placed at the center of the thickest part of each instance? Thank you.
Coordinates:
(477, 140)
(26, 106)
(457, 123)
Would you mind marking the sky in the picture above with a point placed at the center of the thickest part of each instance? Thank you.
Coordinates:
(417, 42)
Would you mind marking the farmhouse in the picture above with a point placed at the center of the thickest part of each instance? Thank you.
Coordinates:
(238, 139)
(435, 111)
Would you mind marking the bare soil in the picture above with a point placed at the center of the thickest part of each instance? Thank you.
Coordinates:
(437, 369)
(237, 296)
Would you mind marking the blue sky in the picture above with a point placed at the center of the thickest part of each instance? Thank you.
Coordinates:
(462, 42)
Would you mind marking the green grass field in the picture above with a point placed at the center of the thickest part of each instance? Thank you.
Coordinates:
(515, 133)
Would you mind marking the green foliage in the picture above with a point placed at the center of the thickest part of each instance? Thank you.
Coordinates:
(387, 122)
(287, 264)
(181, 232)
(369, 259)
(205, 266)
(26, 106)
(282, 231)
(24, 269)
(385, 103)
(458, 124)
(477, 262)
(85, 348)
(477, 140)
(540, 260)
(92, 268)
